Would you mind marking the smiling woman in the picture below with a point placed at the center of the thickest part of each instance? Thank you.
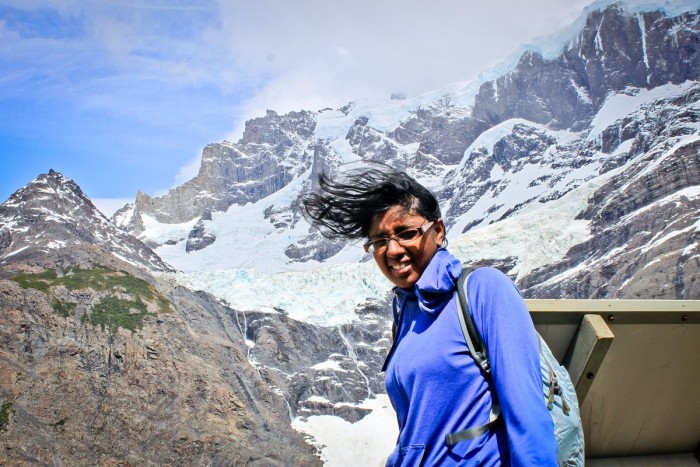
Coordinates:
(436, 388)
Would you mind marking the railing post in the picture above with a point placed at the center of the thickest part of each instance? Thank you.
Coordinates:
(586, 355)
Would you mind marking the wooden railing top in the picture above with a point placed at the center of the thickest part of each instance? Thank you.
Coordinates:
(571, 311)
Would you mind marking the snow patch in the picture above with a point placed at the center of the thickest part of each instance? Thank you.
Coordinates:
(367, 442)
(619, 106)
(554, 224)
(328, 365)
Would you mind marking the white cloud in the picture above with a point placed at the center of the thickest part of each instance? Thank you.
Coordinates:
(315, 53)
(188, 171)
(284, 55)
(109, 206)
(171, 76)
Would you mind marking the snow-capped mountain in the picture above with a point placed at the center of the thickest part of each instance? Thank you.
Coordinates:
(52, 213)
(229, 378)
(644, 219)
(590, 106)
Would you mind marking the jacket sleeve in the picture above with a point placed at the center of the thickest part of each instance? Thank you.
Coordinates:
(506, 328)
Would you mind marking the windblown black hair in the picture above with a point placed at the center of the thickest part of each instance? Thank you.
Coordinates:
(345, 206)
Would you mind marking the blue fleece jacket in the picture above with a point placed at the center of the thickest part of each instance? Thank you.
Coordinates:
(436, 388)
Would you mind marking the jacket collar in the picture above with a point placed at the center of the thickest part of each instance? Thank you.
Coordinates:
(433, 286)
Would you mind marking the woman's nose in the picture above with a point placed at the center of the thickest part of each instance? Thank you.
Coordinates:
(394, 248)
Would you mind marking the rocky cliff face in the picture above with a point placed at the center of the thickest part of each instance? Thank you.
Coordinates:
(320, 370)
(616, 49)
(644, 241)
(175, 387)
(273, 151)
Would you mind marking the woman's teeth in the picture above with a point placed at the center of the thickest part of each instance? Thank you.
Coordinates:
(400, 265)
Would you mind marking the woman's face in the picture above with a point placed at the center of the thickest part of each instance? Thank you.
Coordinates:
(404, 264)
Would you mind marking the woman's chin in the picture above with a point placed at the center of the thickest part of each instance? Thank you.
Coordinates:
(404, 279)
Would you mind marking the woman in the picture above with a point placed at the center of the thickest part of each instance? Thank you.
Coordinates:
(435, 387)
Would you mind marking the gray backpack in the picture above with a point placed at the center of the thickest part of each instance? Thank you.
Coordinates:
(558, 390)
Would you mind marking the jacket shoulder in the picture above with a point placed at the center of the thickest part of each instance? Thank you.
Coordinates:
(486, 274)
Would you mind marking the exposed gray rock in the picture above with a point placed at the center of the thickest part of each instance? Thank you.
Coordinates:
(320, 370)
(442, 130)
(644, 241)
(273, 151)
(314, 247)
(198, 239)
(178, 391)
(608, 56)
(52, 213)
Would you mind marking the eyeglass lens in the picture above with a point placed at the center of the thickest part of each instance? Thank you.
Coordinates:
(401, 238)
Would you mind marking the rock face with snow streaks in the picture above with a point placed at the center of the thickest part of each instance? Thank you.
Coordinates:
(616, 49)
(52, 213)
(273, 151)
(528, 137)
(320, 370)
(644, 236)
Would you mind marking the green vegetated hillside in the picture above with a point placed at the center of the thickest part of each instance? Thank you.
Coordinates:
(121, 300)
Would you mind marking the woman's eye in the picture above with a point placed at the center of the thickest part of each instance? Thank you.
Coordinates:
(407, 234)
(379, 243)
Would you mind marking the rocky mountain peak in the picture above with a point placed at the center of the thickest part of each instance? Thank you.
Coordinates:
(615, 49)
(51, 213)
(274, 129)
(273, 151)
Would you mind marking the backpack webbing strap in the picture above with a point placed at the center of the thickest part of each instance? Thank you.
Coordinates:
(470, 433)
(481, 357)
(471, 335)
(395, 313)
(395, 326)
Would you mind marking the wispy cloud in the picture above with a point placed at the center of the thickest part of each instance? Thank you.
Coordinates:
(317, 53)
(165, 77)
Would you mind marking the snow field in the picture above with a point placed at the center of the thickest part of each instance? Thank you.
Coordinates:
(367, 442)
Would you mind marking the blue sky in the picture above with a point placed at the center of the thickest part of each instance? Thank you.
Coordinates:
(122, 95)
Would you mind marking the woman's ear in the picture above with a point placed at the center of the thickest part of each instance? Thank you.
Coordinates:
(439, 228)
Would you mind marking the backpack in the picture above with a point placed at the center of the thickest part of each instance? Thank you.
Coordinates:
(558, 390)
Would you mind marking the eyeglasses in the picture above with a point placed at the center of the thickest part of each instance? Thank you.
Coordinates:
(402, 238)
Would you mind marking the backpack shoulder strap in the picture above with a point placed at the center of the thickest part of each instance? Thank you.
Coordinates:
(471, 334)
(480, 354)
(396, 323)
(395, 314)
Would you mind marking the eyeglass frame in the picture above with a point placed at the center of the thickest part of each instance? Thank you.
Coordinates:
(369, 247)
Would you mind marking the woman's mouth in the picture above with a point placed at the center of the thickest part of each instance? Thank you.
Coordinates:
(401, 267)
